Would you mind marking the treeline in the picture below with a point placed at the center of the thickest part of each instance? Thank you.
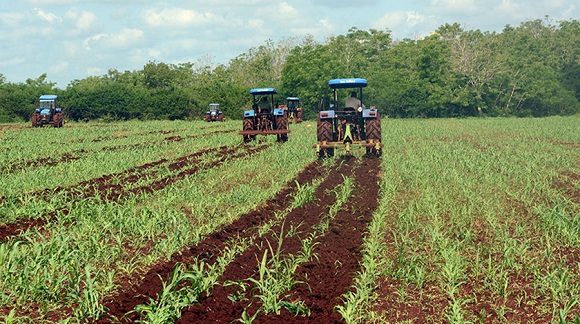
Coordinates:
(529, 70)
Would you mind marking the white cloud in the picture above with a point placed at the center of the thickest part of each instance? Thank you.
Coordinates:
(396, 19)
(256, 23)
(12, 62)
(11, 18)
(456, 6)
(59, 67)
(47, 16)
(92, 71)
(50, 2)
(83, 20)
(286, 10)
(124, 38)
(176, 17)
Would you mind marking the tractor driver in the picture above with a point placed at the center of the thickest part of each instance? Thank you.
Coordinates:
(264, 104)
(352, 101)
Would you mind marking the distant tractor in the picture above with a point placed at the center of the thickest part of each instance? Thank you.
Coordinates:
(214, 113)
(263, 118)
(348, 125)
(48, 113)
(295, 112)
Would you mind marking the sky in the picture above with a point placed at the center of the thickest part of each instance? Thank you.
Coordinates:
(74, 39)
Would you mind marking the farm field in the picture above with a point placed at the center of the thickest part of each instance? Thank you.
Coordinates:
(461, 220)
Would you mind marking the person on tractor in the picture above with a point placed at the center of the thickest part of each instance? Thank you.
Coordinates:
(264, 105)
(352, 101)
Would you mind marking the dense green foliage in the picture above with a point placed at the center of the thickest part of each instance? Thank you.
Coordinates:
(529, 70)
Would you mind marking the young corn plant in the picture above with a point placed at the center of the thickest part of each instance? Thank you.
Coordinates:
(186, 286)
(276, 273)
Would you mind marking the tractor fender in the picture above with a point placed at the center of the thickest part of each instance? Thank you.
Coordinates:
(249, 113)
(370, 113)
(278, 112)
(327, 114)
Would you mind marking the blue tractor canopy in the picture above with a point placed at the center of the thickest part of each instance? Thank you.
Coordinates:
(263, 91)
(263, 98)
(348, 83)
(47, 101)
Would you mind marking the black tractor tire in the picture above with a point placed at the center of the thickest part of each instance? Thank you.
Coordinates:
(57, 120)
(373, 132)
(299, 115)
(248, 124)
(34, 120)
(282, 124)
(324, 134)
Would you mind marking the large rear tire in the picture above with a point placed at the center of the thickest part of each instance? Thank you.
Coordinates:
(324, 134)
(248, 124)
(373, 132)
(282, 124)
(34, 120)
(299, 115)
(58, 120)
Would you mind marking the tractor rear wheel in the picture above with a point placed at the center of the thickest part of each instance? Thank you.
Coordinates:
(324, 134)
(373, 132)
(57, 120)
(299, 115)
(282, 124)
(248, 125)
(34, 120)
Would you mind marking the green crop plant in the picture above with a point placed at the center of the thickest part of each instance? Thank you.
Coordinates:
(275, 275)
(483, 208)
(474, 201)
(186, 285)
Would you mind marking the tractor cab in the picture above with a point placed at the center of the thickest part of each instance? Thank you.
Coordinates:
(47, 113)
(214, 113)
(346, 123)
(295, 112)
(264, 118)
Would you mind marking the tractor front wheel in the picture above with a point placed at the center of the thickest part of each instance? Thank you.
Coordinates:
(373, 132)
(248, 125)
(324, 134)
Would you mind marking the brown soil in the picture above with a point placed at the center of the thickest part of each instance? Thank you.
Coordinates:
(138, 289)
(522, 304)
(114, 187)
(217, 307)
(399, 302)
(328, 277)
(43, 161)
(568, 183)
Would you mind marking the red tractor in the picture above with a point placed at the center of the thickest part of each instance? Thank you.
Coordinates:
(47, 113)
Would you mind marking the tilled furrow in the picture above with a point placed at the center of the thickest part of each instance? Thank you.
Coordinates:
(327, 278)
(139, 289)
(217, 307)
(113, 187)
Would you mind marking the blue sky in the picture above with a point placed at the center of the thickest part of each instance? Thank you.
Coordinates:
(73, 39)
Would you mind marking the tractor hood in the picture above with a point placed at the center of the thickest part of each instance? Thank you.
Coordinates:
(45, 111)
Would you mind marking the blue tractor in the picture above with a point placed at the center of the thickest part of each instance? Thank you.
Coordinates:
(295, 112)
(214, 113)
(48, 113)
(349, 124)
(264, 118)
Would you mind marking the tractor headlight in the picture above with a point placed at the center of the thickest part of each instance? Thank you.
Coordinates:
(360, 109)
